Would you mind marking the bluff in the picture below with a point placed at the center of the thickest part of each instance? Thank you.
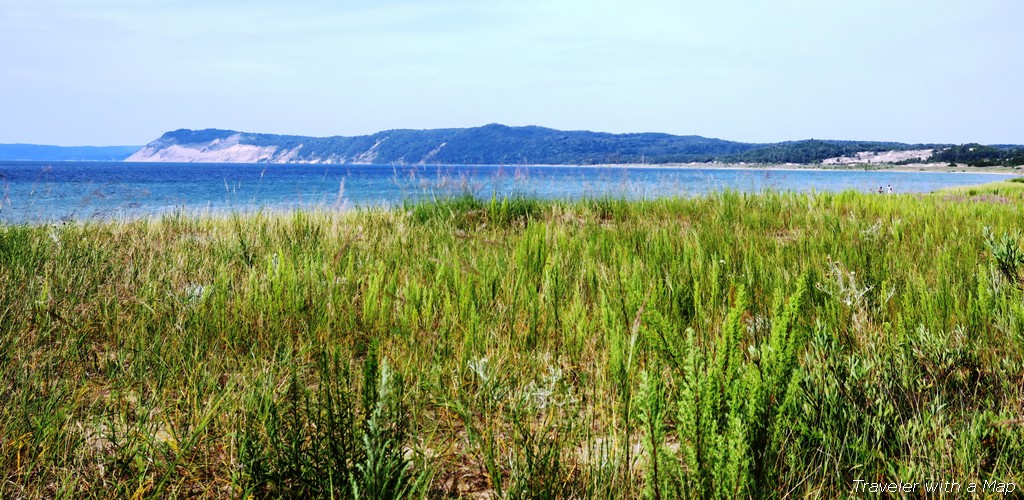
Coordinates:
(498, 144)
(488, 145)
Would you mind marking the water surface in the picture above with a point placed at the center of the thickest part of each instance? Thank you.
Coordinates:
(45, 192)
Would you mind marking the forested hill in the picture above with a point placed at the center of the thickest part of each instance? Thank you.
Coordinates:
(499, 144)
(491, 144)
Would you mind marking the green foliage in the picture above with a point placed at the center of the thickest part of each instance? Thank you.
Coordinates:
(732, 403)
(187, 136)
(467, 212)
(1008, 256)
(814, 151)
(317, 443)
(384, 472)
(770, 345)
(977, 155)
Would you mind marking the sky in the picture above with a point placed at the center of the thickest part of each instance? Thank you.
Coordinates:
(122, 72)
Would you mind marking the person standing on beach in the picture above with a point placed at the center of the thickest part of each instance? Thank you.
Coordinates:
(890, 188)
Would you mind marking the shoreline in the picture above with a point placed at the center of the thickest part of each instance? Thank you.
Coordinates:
(865, 167)
(793, 167)
(916, 168)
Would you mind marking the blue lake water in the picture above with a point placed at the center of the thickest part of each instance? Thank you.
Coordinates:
(44, 192)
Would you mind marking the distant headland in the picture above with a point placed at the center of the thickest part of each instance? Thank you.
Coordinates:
(497, 144)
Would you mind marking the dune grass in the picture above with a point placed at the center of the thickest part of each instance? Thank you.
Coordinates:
(772, 345)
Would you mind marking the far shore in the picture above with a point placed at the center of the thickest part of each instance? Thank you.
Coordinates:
(873, 167)
(867, 167)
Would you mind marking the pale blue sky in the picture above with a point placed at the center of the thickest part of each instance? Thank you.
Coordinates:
(105, 72)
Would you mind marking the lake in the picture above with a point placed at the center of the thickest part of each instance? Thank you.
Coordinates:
(47, 192)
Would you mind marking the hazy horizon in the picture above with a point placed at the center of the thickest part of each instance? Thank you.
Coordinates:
(119, 72)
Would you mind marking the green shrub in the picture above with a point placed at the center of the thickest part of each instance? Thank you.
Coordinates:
(315, 443)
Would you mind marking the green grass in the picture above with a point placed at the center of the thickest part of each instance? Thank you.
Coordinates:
(731, 345)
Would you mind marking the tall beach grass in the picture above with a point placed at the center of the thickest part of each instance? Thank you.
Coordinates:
(750, 345)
